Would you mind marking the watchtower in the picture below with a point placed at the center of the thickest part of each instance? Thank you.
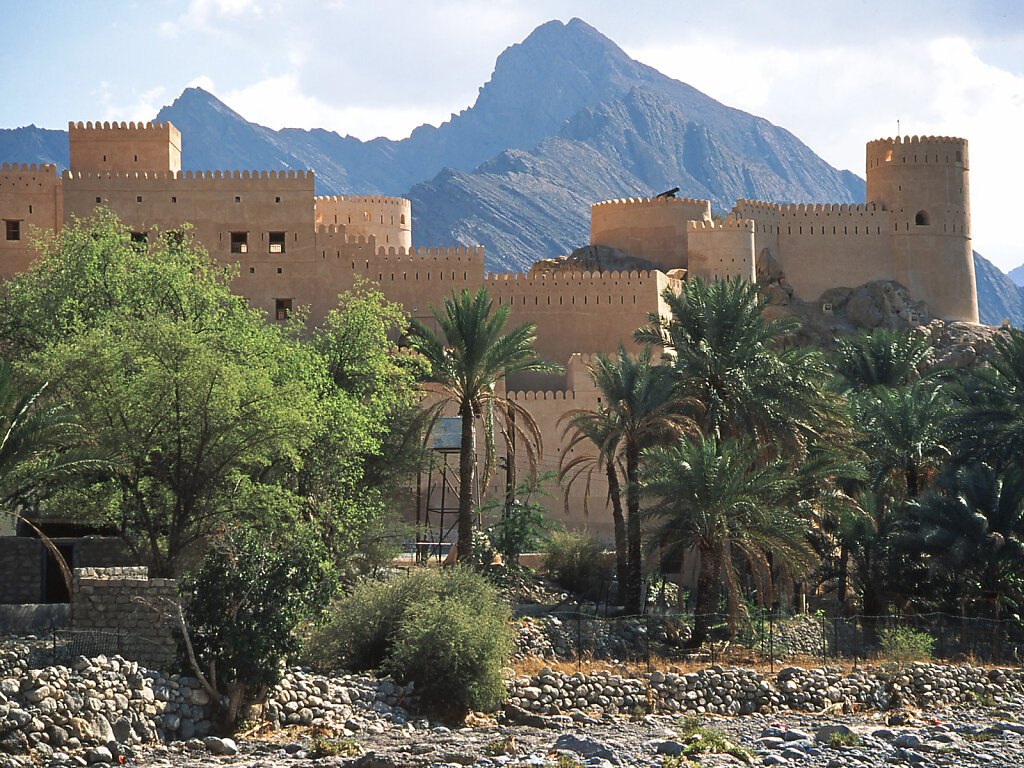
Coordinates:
(124, 147)
(923, 182)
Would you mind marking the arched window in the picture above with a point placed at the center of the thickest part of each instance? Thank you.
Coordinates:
(888, 155)
(921, 219)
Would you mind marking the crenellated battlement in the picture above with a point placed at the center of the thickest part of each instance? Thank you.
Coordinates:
(398, 202)
(135, 176)
(574, 278)
(122, 126)
(805, 209)
(918, 140)
(729, 224)
(638, 201)
(533, 395)
(28, 168)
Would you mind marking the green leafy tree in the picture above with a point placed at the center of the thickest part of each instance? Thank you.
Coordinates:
(720, 501)
(467, 360)
(524, 524)
(194, 393)
(243, 607)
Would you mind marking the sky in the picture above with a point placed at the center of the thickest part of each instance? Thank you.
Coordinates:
(836, 74)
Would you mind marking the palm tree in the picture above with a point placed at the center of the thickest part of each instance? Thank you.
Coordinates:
(645, 410)
(882, 358)
(727, 356)
(991, 425)
(600, 429)
(905, 436)
(466, 363)
(721, 501)
(41, 442)
(975, 531)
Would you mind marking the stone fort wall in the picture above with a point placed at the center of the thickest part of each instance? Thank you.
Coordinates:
(648, 228)
(30, 196)
(124, 146)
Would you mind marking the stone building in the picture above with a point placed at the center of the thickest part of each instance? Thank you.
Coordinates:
(293, 248)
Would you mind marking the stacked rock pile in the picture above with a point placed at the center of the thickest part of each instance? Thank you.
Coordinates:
(717, 690)
(96, 702)
(554, 637)
(304, 698)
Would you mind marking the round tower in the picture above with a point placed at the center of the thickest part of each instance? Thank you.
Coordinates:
(389, 219)
(922, 182)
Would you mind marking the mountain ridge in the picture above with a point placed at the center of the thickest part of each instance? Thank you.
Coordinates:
(566, 119)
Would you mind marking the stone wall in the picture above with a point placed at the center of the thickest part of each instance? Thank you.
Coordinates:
(22, 576)
(126, 603)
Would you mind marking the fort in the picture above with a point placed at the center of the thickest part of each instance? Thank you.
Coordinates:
(292, 248)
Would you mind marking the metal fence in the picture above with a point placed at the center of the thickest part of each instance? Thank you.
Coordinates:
(63, 646)
(585, 631)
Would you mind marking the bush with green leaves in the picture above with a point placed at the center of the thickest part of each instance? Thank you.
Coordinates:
(244, 604)
(524, 525)
(902, 644)
(578, 563)
(447, 631)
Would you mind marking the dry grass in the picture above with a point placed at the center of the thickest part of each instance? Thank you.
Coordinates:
(737, 657)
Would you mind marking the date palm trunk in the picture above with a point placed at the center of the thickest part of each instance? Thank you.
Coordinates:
(467, 463)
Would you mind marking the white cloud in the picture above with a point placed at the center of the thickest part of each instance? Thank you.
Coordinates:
(277, 102)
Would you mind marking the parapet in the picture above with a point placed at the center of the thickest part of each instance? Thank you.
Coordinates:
(8, 168)
(632, 201)
(729, 224)
(759, 207)
(942, 150)
(399, 202)
(576, 278)
(122, 126)
(268, 179)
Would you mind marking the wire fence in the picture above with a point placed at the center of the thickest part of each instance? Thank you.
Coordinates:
(586, 631)
(64, 646)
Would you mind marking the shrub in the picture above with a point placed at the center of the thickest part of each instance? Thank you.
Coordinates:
(244, 605)
(902, 644)
(454, 652)
(578, 563)
(446, 631)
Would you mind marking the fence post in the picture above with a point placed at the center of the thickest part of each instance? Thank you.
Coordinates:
(824, 642)
(771, 639)
(579, 638)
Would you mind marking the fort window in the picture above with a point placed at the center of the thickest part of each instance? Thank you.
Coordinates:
(238, 199)
(402, 220)
(98, 200)
(104, 158)
(282, 309)
(278, 200)
(888, 156)
(252, 270)
(139, 238)
(366, 215)
(279, 270)
(174, 199)
(239, 242)
(138, 199)
(277, 242)
(959, 156)
(136, 158)
(30, 210)
(921, 219)
(13, 228)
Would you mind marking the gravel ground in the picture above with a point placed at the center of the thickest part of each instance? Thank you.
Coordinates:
(960, 737)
